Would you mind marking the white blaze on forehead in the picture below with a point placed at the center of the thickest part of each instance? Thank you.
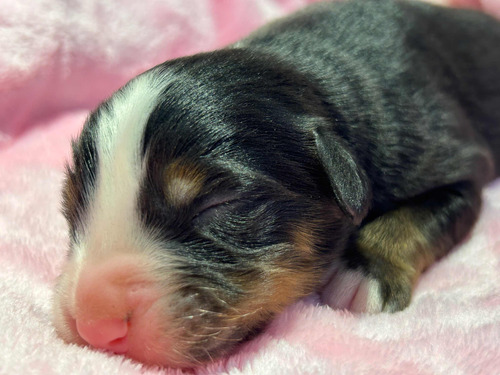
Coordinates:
(113, 224)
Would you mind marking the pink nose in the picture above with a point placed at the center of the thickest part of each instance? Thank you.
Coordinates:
(109, 334)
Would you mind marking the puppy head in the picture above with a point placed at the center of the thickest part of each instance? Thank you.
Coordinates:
(197, 211)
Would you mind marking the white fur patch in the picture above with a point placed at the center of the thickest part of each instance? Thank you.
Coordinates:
(352, 290)
(369, 297)
(113, 222)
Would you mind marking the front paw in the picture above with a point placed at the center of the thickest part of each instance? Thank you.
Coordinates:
(362, 292)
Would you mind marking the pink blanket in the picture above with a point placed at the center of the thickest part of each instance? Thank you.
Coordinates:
(58, 59)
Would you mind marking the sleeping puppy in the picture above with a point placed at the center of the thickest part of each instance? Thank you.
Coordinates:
(340, 150)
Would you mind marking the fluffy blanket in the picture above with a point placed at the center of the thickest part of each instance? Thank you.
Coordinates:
(58, 59)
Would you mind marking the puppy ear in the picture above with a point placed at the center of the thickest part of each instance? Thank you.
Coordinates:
(348, 179)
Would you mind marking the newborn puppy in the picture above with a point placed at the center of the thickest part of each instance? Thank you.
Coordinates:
(343, 148)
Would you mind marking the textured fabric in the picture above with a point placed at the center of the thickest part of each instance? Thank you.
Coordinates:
(58, 59)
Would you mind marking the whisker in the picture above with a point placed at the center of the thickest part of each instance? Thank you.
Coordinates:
(190, 357)
(226, 339)
(218, 298)
(245, 315)
(209, 356)
(206, 334)
(210, 312)
(221, 328)
(195, 342)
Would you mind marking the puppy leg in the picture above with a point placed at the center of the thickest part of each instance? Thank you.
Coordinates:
(379, 271)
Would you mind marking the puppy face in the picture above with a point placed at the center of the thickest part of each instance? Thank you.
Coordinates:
(197, 211)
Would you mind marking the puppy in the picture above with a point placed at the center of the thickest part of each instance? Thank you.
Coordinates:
(349, 141)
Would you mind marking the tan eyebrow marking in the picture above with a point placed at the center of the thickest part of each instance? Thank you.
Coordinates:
(182, 182)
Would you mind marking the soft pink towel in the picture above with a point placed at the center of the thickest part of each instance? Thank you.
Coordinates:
(58, 59)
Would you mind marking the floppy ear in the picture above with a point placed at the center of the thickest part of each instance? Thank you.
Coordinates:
(348, 179)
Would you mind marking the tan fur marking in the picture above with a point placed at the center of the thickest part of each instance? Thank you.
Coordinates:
(396, 238)
(282, 282)
(262, 303)
(182, 182)
(277, 286)
(304, 238)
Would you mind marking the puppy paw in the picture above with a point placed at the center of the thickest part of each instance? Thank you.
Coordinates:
(359, 292)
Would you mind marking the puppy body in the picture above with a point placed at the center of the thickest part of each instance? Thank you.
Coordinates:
(213, 190)
(416, 101)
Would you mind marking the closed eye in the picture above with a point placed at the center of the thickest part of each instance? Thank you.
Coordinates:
(212, 205)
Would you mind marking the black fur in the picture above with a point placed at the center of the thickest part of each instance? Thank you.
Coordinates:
(81, 176)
